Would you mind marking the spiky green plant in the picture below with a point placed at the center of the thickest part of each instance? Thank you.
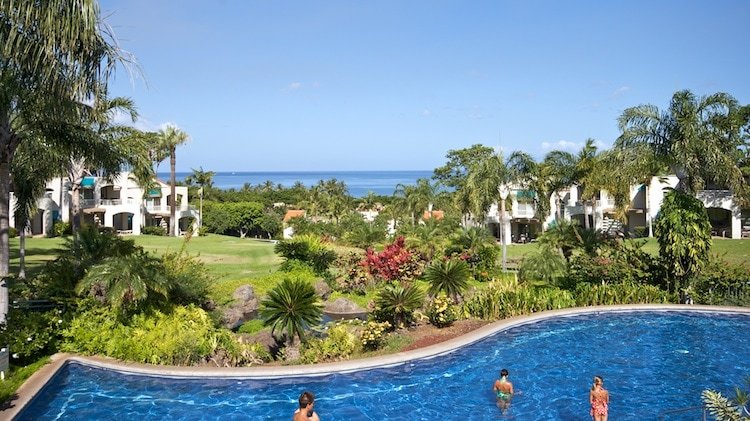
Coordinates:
(291, 307)
(125, 282)
(396, 303)
(450, 276)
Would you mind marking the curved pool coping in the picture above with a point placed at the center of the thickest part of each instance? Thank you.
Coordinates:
(41, 377)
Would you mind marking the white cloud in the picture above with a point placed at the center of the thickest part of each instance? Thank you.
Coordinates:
(562, 145)
(566, 145)
(620, 92)
(294, 86)
(426, 112)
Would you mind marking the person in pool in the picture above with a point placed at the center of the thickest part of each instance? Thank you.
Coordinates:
(599, 399)
(503, 390)
(305, 410)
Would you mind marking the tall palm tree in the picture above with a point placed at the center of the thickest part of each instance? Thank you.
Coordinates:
(170, 138)
(205, 179)
(51, 51)
(417, 198)
(561, 173)
(697, 138)
(489, 180)
(586, 176)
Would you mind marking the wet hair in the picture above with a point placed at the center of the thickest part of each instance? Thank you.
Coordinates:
(503, 373)
(306, 398)
(597, 380)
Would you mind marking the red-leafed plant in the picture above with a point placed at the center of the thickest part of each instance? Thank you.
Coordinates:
(395, 262)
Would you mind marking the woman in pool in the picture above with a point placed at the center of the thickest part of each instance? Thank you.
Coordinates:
(504, 391)
(599, 398)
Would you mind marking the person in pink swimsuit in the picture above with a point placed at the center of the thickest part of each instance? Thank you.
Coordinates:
(599, 399)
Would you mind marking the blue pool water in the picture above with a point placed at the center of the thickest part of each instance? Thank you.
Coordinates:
(650, 361)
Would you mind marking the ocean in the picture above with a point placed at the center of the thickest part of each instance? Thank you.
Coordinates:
(359, 183)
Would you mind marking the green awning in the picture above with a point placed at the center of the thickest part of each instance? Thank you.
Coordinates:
(154, 192)
(88, 182)
(525, 194)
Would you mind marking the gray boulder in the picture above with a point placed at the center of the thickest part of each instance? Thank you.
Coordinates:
(343, 306)
(322, 289)
(244, 308)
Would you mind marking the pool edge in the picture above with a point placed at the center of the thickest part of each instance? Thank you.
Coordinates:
(37, 381)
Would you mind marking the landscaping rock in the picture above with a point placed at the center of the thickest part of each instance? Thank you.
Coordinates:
(343, 306)
(244, 308)
(322, 289)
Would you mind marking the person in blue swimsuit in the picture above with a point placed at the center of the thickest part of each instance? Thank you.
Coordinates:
(503, 390)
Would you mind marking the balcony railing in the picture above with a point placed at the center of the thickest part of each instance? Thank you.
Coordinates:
(523, 210)
(166, 208)
(93, 203)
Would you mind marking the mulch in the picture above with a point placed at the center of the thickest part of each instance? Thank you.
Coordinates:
(426, 335)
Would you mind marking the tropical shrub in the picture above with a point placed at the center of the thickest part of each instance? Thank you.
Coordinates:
(339, 344)
(373, 334)
(395, 262)
(722, 283)
(441, 311)
(450, 276)
(12, 232)
(126, 282)
(182, 336)
(291, 307)
(498, 301)
(188, 278)
(683, 230)
(615, 263)
(32, 334)
(352, 276)
(726, 409)
(251, 326)
(154, 230)
(396, 304)
(620, 293)
(308, 249)
(545, 264)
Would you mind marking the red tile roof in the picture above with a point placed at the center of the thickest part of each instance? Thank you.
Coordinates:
(293, 213)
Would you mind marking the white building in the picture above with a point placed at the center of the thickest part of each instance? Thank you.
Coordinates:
(120, 204)
(727, 218)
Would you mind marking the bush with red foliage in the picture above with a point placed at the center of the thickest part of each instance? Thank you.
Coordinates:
(395, 262)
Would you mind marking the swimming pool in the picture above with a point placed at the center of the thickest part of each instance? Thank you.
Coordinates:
(651, 362)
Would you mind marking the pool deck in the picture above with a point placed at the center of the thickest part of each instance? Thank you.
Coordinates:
(39, 379)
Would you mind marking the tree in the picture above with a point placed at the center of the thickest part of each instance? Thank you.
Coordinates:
(450, 276)
(683, 231)
(455, 172)
(697, 138)
(292, 306)
(586, 176)
(170, 138)
(560, 172)
(396, 303)
(126, 282)
(52, 52)
(489, 180)
(205, 179)
(413, 200)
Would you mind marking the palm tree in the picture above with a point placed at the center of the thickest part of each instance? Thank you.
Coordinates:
(125, 282)
(586, 176)
(697, 138)
(413, 200)
(448, 275)
(490, 179)
(52, 51)
(560, 171)
(170, 138)
(205, 179)
(291, 306)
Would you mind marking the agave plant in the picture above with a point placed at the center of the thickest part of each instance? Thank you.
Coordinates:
(450, 276)
(292, 306)
(397, 303)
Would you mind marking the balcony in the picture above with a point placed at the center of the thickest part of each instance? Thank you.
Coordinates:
(166, 209)
(97, 203)
(523, 210)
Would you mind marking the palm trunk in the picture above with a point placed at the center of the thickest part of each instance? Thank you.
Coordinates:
(76, 172)
(22, 253)
(502, 233)
(585, 214)
(173, 192)
(4, 227)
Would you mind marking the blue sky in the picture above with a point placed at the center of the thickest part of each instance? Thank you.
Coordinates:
(394, 85)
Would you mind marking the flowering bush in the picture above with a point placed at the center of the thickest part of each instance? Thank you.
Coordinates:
(32, 334)
(373, 334)
(395, 262)
(339, 344)
(441, 311)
